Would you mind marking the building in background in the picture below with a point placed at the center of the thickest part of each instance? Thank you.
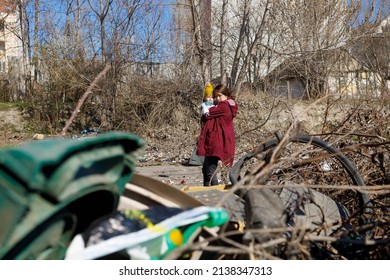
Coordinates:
(11, 52)
(10, 43)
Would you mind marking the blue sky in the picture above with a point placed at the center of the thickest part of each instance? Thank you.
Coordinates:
(374, 6)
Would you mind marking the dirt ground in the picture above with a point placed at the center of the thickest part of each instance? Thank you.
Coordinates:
(176, 174)
(12, 127)
(13, 132)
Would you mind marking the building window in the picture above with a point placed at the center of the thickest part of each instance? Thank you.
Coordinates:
(2, 66)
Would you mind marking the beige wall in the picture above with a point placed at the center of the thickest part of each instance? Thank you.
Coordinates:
(10, 44)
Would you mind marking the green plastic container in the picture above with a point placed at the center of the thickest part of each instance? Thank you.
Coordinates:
(51, 190)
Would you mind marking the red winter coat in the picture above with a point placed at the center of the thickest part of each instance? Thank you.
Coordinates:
(217, 135)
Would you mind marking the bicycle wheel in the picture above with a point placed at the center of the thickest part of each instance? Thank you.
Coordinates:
(304, 160)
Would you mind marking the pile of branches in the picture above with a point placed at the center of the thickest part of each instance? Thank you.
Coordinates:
(273, 231)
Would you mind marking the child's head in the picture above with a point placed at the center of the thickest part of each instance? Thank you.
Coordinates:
(208, 99)
(208, 93)
(222, 90)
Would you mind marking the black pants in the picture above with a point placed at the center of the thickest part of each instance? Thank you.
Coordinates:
(210, 165)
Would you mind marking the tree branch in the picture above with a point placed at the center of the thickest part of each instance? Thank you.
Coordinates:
(84, 97)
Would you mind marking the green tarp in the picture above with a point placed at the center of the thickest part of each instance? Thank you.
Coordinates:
(51, 190)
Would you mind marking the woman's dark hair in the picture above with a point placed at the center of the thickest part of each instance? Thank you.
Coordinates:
(224, 90)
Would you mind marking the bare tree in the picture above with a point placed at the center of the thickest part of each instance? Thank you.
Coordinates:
(222, 43)
(101, 12)
(201, 31)
(307, 32)
(25, 39)
(371, 46)
(72, 42)
(250, 40)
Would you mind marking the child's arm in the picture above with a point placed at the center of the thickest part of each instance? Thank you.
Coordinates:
(206, 106)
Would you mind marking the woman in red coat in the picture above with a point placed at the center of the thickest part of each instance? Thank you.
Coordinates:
(217, 140)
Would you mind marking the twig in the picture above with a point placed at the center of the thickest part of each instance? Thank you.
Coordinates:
(84, 97)
(350, 134)
(261, 125)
